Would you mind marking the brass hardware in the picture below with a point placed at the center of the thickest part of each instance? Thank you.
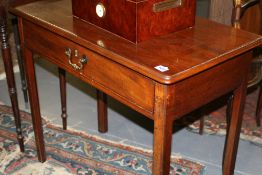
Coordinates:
(76, 53)
(166, 5)
(68, 52)
(100, 43)
(81, 62)
(100, 10)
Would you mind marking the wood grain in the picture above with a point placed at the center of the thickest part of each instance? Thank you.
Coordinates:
(102, 111)
(185, 53)
(99, 71)
(62, 84)
(34, 104)
(203, 88)
(163, 127)
(136, 20)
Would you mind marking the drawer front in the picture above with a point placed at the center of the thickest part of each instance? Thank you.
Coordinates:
(114, 79)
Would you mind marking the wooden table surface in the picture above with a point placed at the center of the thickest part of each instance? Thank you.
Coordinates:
(199, 65)
(185, 53)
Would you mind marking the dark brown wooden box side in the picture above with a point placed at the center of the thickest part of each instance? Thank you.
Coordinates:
(120, 16)
(136, 21)
(151, 24)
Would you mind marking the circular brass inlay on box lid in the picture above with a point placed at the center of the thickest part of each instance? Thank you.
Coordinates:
(100, 10)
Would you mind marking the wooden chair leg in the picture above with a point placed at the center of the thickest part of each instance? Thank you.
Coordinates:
(6, 54)
(233, 130)
(62, 81)
(201, 124)
(202, 121)
(228, 117)
(259, 102)
(102, 111)
(20, 61)
(229, 108)
(259, 106)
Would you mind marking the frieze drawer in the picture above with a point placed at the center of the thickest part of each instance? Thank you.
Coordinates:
(99, 71)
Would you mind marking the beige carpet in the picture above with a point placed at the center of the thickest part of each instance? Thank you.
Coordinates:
(74, 152)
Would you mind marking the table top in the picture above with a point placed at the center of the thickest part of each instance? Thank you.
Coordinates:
(183, 53)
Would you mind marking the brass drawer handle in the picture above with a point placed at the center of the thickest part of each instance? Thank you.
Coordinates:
(166, 5)
(82, 61)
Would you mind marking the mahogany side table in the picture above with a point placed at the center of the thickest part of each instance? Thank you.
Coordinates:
(163, 78)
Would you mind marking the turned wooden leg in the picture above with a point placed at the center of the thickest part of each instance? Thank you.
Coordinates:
(34, 104)
(102, 111)
(6, 54)
(20, 61)
(259, 106)
(163, 128)
(234, 128)
(62, 81)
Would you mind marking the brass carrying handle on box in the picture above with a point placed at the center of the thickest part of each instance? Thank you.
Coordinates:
(81, 62)
(166, 5)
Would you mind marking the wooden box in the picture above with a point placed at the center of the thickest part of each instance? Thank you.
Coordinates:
(137, 20)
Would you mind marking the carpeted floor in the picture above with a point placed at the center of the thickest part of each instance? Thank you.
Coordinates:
(72, 152)
(215, 122)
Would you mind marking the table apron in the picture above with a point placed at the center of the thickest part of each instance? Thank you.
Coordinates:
(116, 80)
(200, 89)
(130, 87)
